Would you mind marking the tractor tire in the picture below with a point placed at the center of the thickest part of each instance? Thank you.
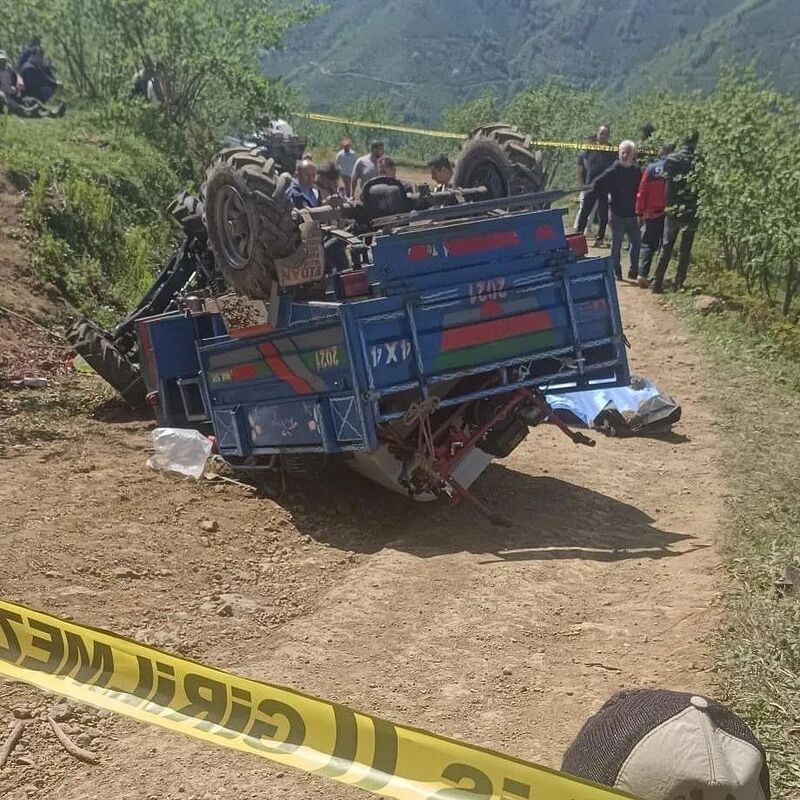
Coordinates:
(187, 211)
(248, 219)
(311, 467)
(498, 157)
(114, 367)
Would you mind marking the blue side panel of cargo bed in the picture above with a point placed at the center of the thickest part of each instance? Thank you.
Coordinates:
(421, 259)
(501, 297)
(290, 390)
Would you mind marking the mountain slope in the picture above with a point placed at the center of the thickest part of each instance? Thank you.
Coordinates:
(427, 54)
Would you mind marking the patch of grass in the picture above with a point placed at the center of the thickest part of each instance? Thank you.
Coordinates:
(709, 275)
(758, 404)
(95, 200)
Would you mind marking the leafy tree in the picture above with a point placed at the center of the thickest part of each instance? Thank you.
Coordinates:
(749, 183)
(203, 54)
(554, 109)
(471, 114)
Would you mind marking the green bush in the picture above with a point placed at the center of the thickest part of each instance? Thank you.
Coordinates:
(96, 203)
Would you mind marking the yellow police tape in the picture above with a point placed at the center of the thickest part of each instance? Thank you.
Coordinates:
(112, 672)
(542, 143)
(380, 126)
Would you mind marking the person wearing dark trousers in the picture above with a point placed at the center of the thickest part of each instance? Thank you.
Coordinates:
(680, 200)
(591, 164)
(650, 213)
(621, 181)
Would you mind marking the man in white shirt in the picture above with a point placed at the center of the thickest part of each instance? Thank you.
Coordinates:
(366, 167)
(345, 163)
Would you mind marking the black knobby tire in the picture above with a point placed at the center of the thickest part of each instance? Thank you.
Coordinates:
(305, 466)
(248, 219)
(187, 210)
(498, 157)
(114, 367)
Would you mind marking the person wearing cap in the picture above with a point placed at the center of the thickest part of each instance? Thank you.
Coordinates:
(328, 181)
(303, 191)
(681, 206)
(345, 162)
(366, 167)
(661, 745)
(441, 172)
(9, 79)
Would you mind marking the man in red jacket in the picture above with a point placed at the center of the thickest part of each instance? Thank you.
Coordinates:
(650, 212)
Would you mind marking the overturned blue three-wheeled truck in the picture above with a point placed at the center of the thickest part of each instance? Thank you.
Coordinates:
(412, 335)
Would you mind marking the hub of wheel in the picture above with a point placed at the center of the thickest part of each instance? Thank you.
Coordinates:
(237, 232)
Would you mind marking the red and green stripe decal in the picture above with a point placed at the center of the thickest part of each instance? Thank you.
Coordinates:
(283, 360)
(495, 340)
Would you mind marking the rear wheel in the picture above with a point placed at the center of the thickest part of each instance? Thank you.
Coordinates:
(498, 157)
(114, 367)
(249, 220)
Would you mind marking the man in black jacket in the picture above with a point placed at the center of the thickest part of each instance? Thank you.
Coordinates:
(591, 164)
(37, 77)
(621, 181)
(680, 202)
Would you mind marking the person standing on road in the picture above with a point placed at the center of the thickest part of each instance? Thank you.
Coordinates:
(650, 212)
(591, 164)
(620, 181)
(366, 167)
(582, 182)
(303, 191)
(680, 213)
(345, 162)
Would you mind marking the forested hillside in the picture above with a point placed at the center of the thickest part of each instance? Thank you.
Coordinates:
(424, 55)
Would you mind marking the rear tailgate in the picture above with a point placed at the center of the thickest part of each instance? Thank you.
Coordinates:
(513, 306)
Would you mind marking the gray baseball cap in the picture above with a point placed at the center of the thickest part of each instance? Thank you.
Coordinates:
(661, 745)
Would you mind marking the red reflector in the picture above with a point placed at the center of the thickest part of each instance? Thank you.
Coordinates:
(420, 252)
(576, 242)
(152, 399)
(354, 284)
(544, 233)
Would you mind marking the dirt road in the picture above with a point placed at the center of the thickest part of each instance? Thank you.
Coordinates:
(423, 614)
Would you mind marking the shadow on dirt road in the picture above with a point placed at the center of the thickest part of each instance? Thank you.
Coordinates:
(551, 519)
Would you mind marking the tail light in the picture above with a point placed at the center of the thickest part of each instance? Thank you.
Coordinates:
(576, 242)
(354, 283)
(152, 399)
